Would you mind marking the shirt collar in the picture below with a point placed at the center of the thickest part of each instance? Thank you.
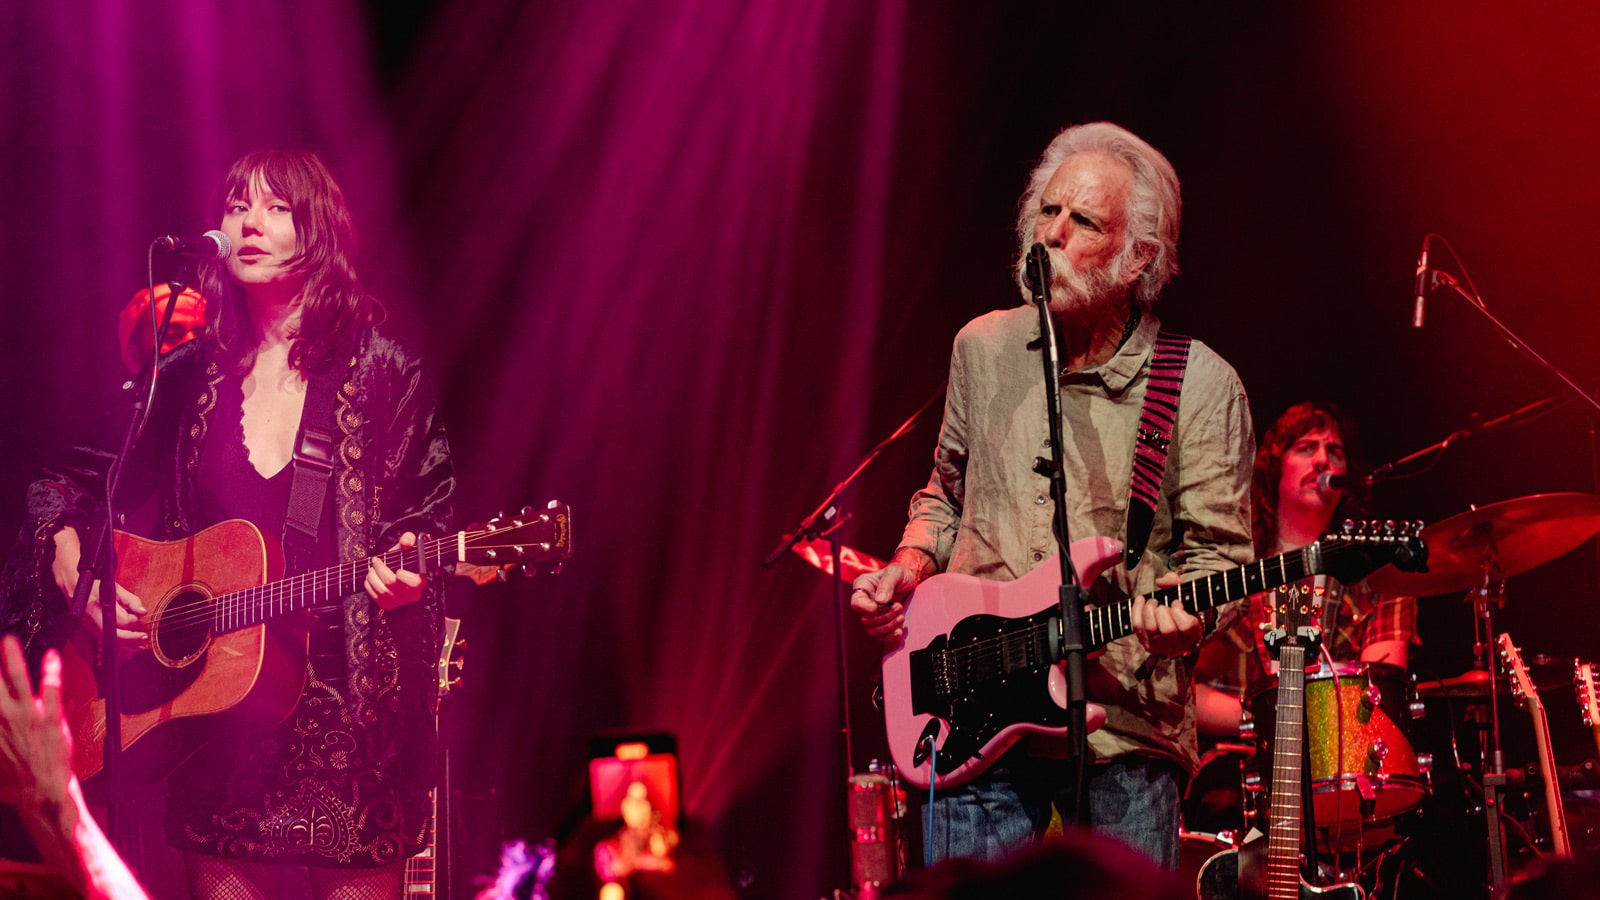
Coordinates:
(1119, 371)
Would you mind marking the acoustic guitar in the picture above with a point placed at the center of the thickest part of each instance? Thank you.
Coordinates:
(225, 648)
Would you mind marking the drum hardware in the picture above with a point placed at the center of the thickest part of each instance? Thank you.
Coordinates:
(1475, 552)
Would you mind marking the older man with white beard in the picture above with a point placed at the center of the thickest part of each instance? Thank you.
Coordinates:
(1106, 205)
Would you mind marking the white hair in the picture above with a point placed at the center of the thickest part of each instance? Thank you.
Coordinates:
(1155, 207)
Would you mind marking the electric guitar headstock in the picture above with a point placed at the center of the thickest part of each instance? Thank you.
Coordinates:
(1358, 549)
(532, 541)
(1522, 688)
(1588, 699)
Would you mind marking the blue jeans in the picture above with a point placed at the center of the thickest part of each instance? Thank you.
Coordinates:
(1133, 799)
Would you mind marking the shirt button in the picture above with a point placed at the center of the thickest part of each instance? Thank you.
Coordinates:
(1039, 499)
(1047, 442)
(1037, 556)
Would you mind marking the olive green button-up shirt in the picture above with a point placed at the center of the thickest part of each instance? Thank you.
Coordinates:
(986, 512)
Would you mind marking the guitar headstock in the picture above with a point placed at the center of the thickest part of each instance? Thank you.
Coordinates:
(451, 657)
(534, 540)
(1296, 611)
(1358, 549)
(1588, 700)
(1522, 689)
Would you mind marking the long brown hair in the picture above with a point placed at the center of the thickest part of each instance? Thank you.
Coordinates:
(1296, 422)
(335, 308)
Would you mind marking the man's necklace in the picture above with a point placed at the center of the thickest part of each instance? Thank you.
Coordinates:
(1128, 328)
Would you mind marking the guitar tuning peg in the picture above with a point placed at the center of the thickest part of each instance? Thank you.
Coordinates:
(460, 664)
(501, 575)
(526, 511)
(461, 644)
(529, 569)
(455, 682)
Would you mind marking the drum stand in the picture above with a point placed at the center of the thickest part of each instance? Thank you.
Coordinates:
(1489, 595)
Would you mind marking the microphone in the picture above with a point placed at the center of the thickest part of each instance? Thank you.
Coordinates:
(1328, 481)
(1422, 284)
(1036, 271)
(211, 245)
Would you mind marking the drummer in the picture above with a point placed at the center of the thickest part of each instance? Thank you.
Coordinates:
(1291, 510)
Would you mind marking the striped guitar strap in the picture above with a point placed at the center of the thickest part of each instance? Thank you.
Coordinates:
(1167, 366)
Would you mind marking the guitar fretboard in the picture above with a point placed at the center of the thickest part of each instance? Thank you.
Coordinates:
(1112, 621)
(255, 605)
(1283, 833)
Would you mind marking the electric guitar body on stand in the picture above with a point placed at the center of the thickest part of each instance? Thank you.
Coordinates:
(225, 648)
(980, 664)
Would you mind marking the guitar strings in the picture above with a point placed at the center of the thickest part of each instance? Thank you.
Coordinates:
(250, 601)
(1116, 617)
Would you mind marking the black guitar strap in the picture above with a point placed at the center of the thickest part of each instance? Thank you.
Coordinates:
(1167, 367)
(313, 469)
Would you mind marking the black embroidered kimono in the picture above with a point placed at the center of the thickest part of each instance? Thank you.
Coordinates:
(343, 781)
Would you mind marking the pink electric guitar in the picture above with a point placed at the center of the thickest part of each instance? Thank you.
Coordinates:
(980, 665)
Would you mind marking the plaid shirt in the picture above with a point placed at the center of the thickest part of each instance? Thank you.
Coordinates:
(1353, 618)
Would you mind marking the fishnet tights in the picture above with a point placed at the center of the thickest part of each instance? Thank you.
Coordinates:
(215, 878)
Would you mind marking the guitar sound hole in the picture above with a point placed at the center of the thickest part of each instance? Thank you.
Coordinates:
(185, 625)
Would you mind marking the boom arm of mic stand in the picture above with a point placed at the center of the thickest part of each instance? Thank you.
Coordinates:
(828, 509)
(1512, 338)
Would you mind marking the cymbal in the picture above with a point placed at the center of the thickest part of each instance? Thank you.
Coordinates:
(855, 562)
(1526, 533)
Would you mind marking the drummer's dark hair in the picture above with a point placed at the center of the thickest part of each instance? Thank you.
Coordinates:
(1295, 423)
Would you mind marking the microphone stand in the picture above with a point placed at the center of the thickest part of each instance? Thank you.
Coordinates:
(99, 564)
(826, 520)
(1513, 339)
(1436, 277)
(1492, 588)
(1388, 471)
(1072, 595)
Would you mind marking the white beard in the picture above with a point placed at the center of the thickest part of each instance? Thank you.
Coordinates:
(1077, 292)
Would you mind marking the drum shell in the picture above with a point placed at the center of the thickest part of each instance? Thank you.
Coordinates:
(1342, 729)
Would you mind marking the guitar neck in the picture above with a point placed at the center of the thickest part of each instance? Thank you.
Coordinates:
(255, 605)
(1112, 621)
(1527, 694)
(1283, 833)
(1559, 841)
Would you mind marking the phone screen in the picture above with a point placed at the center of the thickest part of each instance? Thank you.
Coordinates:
(634, 782)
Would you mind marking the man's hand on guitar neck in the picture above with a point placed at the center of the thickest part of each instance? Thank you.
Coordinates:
(1163, 630)
(879, 598)
(133, 627)
(392, 589)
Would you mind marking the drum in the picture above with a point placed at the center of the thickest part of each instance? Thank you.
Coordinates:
(1364, 772)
